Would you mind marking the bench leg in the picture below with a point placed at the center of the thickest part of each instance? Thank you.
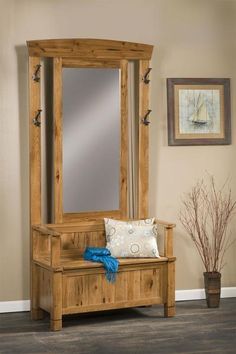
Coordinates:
(36, 312)
(55, 325)
(56, 302)
(169, 306)
(169, 311)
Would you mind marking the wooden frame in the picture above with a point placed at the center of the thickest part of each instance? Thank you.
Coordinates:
(59, 63)
(61, 281)
(84, 48)
(93, 52)
(198, 111)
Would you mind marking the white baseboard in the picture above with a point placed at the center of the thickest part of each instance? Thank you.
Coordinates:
(180, 295)
(191, 294)
(14, 306)
(198, 294)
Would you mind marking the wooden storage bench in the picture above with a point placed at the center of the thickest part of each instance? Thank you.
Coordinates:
(63, 283)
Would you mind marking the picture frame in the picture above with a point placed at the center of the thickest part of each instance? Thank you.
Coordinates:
(198, 111)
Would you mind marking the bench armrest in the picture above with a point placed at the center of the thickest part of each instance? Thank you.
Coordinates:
(44, 230)
(165, 224)
(168, 237)
(46, 242)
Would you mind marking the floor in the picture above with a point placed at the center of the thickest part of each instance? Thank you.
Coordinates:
(194, 329)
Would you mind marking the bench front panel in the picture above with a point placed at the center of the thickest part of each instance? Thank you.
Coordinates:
(134, 287)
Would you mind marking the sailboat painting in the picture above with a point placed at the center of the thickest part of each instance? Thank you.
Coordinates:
(199, 111)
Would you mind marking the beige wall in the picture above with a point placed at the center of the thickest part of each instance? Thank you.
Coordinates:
(192, 38)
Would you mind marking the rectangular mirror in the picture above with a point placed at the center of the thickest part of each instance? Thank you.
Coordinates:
(91, 120)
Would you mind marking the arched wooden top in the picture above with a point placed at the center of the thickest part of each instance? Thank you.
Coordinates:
(89, 49)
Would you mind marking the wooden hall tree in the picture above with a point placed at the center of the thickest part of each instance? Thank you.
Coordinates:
(61, 281)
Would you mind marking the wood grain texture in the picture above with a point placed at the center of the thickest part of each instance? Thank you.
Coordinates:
(168, 242)
(89, 224)
(40, 244)
(143, 150)
(36, 311)
(83, 216)
(45, 288)
(55, 251)
(124, 140)
(35, 145)
(90, 292)
(43, 230)
(86, 63)
(56, 302)
(80, 240)
(35, 171)
(169, 306)
(78, 226)
(89, 49)
(71, 260)
(57, 113)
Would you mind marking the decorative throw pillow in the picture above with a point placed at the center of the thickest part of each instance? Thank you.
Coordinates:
(129, 240)
(115, 222)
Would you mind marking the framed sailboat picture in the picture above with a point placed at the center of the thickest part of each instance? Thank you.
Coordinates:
(198, 111)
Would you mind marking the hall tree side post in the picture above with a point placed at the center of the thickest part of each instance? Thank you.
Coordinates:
(56, 276)
(57, 139)
(124, 138)
(169, 306)
(143, 187)
(56, 285)
(35, 178)
(143, 147)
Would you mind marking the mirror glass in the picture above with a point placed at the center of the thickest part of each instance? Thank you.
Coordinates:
(91, 139)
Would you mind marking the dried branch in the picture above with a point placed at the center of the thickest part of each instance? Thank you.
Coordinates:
(205, 215)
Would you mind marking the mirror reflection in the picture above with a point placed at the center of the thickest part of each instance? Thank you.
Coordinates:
(91, 139)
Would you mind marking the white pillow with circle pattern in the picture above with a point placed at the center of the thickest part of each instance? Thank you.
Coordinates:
(143, 222)
(129, 240)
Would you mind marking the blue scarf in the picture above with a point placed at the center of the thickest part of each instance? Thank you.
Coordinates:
(103, 255)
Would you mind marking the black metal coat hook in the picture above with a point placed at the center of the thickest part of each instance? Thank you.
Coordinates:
(36, 75)
(145, 120)
(36, 120)
(145, 78)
